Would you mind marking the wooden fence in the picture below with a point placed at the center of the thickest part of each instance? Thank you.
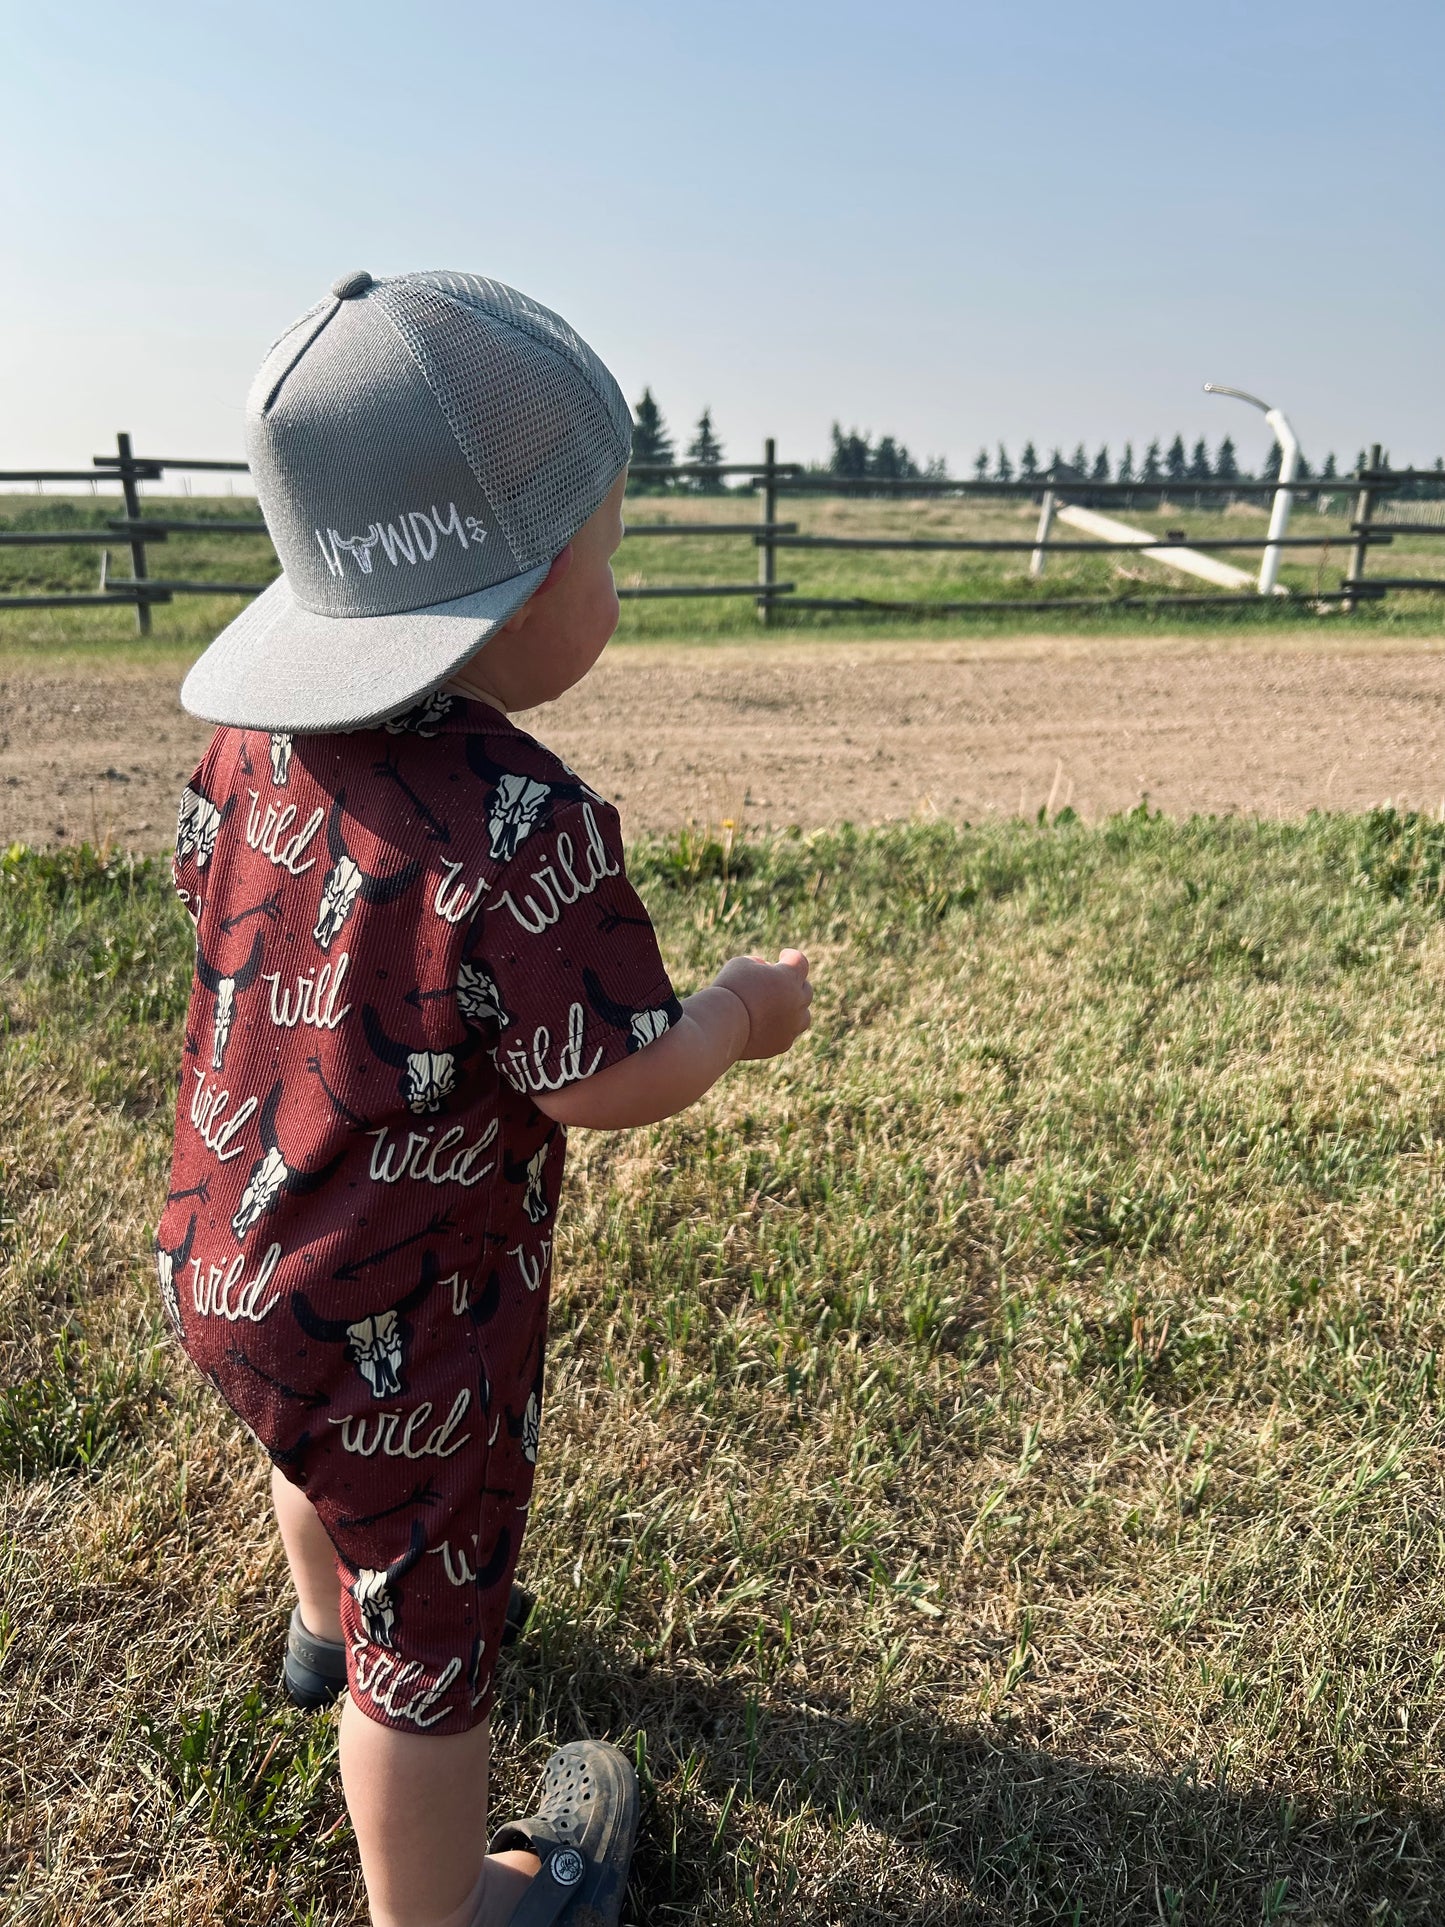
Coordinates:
(771, 479)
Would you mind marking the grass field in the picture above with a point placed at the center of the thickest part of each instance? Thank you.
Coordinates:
(643, 561)
(992, 1464)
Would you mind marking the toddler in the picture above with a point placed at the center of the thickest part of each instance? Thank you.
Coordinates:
(418, 961)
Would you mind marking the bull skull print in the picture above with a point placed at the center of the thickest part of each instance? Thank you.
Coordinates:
(280, 757)
(198, 824)
(375, 1590)
(518, 803)
(527, 1430)
(534, 1199)
(225, 989)
(376, 1341)
(168, 1263)
(346, 881)
(272, 1173)
(428, 1077)
(643, 1027)
(418, 720)
(478, 998)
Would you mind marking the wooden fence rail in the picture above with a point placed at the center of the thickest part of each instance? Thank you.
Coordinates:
(771, 479)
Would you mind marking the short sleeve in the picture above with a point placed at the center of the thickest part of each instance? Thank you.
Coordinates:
(564, 958)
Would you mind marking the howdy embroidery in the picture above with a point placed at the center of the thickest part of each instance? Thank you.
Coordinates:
(415, 536)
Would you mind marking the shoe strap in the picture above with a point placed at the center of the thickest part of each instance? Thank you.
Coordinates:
(532, 1835)
(553, 1889)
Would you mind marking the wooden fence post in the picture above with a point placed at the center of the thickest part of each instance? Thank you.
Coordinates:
(767, 554)
(127, 466)
(1363, 516)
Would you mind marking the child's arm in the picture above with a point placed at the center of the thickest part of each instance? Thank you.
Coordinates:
(750, 1009)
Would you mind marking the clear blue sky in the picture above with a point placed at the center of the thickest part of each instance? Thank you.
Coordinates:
(951, 222)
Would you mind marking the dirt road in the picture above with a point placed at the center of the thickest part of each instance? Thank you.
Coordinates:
(812, 733)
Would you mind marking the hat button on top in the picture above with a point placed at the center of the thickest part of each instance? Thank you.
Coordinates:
(347, 286)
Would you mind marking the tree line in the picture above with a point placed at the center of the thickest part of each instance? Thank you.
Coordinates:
(856, 457)
(1156, 464)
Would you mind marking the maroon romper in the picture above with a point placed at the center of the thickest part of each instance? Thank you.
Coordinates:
(403, 935)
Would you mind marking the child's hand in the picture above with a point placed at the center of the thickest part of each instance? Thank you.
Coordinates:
(775, 996)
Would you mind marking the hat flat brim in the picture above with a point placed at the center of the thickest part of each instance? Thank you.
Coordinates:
(281, 666)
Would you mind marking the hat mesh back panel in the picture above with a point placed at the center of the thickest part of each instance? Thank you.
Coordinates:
(542, 424)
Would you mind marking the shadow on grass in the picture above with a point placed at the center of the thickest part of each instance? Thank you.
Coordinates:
(790, 1808)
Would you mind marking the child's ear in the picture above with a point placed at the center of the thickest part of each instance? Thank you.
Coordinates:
(561, 563)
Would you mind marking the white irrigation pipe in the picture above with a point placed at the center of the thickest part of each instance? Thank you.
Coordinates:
(1208, 568)
(1283, 495)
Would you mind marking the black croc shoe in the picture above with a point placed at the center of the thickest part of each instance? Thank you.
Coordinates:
(583, 1832)
(314, 1674)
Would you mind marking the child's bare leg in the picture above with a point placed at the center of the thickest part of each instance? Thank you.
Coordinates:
(418, 1803)
(311, 1557)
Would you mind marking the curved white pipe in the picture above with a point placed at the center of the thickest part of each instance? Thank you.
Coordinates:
(1283, 495)
(1283, 498)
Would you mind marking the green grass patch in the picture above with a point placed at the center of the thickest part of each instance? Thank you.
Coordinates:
(991, 1466)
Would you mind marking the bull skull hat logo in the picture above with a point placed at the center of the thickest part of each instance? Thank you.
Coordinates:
(346, 881)
(225, 989)
(274, 1173)
(377, 1340)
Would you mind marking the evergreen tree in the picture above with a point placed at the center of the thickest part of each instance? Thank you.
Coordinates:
(1176, 465)
(850, 454)
(891, 461)
(1152, 468)
(1056, 463)
(1226, 462)
(1100, 471)
(1330, 469)
(1360, 461)
(936, 469)
(1079, 461)
(980, 466)
(1029, 463)
(1269, 467)
(1199, 467)
(1126, 463)
(1003, 468)
(650, 439)
(707, 451)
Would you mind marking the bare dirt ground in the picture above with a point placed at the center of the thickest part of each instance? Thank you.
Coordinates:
(813, 733)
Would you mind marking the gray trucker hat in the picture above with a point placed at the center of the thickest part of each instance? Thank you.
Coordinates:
(422, 447)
